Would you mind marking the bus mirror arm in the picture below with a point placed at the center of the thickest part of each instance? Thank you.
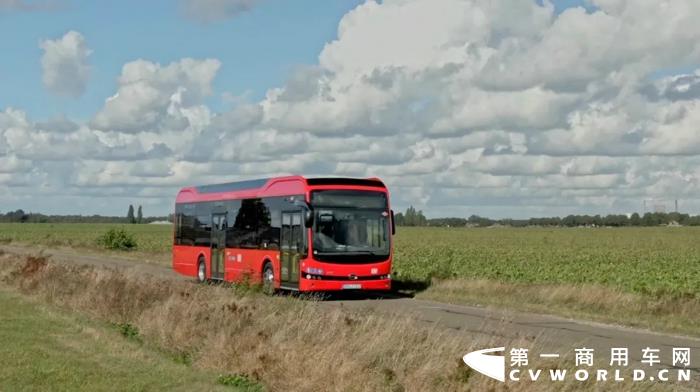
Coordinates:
(308, 212)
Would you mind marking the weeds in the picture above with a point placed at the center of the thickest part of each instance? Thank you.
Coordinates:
(241, 381)
(128, 331)
(117, 239)
(280, 342)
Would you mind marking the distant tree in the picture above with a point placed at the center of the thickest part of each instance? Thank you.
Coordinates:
(449, 222)
(139, 216)
(399, 219)
(635, 220)
(479, 221)
(413, 218)
(17, 216)
(130, 215)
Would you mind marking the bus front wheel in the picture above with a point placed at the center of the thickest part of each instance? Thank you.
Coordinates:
(201, 271)
(268, 279)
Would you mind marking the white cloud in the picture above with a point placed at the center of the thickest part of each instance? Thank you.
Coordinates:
(153, 97)
(65, 64)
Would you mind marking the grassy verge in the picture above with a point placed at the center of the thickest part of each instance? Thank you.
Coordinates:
(45, 349)
(280, 342)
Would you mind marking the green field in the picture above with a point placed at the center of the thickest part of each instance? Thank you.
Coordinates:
(45, 349)
(657, 262)
(150, 238)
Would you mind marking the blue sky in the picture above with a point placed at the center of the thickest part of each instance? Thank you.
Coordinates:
(258, 48)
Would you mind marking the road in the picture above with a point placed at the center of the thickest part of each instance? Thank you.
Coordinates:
(551, 334)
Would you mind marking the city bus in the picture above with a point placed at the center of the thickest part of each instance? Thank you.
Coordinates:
(288, 233)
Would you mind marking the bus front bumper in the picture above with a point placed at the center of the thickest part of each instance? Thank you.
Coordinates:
(340, 285)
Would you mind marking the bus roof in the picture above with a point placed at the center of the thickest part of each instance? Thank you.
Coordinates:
(262, 187)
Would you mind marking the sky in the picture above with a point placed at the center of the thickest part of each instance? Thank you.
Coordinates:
(489, 107)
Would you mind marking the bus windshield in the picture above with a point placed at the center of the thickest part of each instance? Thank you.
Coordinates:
(350, 223)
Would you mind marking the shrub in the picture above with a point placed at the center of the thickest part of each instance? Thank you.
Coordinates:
(117, 239)
(241, 381)
(129, 331)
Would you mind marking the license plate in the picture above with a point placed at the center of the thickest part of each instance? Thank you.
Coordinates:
(352, 286)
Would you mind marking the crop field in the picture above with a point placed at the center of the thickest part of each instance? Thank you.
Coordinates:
(659, 262)
(655, 262)
(150, 238)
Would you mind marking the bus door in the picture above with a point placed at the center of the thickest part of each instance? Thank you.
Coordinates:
(291, 246)
(218, 245)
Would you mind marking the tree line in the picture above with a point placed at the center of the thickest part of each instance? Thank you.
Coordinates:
(413, 217)
(20, 216)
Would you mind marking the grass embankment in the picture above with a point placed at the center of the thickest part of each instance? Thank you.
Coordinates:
(281, 343)
(646, 277)
(46, 349)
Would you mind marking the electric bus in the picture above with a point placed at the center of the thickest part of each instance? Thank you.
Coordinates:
(289, 233)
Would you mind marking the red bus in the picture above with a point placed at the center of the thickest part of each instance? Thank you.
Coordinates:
(292, 233)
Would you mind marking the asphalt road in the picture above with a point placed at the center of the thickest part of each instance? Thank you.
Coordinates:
(550, 334)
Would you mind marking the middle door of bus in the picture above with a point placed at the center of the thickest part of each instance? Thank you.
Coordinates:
(291, 247)
(218, 245)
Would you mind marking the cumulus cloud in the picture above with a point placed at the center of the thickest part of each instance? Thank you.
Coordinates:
(151, 96)
(65, 64)
(461, 106)
(205, 11)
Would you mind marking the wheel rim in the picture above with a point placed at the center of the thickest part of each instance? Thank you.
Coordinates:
(200, 272)
(268, 277)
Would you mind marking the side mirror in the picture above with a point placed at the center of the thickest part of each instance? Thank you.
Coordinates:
(308, 217)
(308, 212)
(393, 223)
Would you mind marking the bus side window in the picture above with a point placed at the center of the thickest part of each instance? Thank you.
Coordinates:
(203, 224)
(186, 230)
(245, 226)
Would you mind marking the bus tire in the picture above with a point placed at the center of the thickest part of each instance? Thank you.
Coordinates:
(268, 279)
(201, 270)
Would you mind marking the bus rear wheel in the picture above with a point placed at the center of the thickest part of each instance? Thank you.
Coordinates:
(268, 279)
(201, 271)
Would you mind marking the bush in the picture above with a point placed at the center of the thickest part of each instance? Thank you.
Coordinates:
(127, 330)
(242, 381)
(117, 239)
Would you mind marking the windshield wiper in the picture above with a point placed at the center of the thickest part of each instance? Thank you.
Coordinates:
(360, 251)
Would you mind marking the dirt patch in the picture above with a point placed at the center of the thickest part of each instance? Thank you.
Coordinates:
(32, 265)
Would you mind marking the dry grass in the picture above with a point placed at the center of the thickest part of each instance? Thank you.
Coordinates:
(284, 343)
(588, 301)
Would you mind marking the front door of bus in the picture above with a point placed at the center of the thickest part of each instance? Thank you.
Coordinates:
(291, 246)
(218, 245)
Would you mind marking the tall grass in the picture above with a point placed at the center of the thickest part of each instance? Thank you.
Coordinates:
(285, 343)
